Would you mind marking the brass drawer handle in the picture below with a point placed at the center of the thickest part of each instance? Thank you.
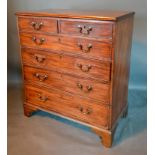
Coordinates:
(42, 98)
(37, 26)
(41, 77)
(84, 30)
(87, 111)
(80, 86)
(85, 49)
(86, 88)
(39, 58)
(84, 68)
(38, 41)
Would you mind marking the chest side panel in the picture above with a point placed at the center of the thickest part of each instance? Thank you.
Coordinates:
(121, 66)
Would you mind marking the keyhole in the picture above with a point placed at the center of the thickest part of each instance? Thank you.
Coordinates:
(59, 40)
(60, 56)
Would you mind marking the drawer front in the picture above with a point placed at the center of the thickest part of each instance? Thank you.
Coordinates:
(87, 28)
(82, 87)
(68, 105)
(67, 64)
(84, 47)
(37, 24)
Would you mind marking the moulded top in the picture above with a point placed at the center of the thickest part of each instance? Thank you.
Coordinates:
(75, 14)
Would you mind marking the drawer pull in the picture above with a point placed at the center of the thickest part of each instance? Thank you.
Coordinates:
(38, 41)
(37, 26)
(80, 86)
(85, 49)
(89, 88)
(85, 111)
(41, 77)
(84, 30)
(42, 98)
(84, 68)
(86, 88)
(39, 58)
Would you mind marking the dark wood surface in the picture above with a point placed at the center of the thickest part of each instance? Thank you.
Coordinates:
(121, 66)
(89, 28)
(83, 87)
(69, 45)
(76, 64)
(66, 64)
(34, 24)
(81, 14)
(69, 105)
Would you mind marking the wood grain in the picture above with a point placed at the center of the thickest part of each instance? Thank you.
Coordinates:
(121, 66)
(69, 45)
(63, 63)
(76, 64)
(79, 14)
(97, 28)
(31, 24)
(68, 105)
(82, 87)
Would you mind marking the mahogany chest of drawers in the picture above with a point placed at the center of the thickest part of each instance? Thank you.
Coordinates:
(76, 65)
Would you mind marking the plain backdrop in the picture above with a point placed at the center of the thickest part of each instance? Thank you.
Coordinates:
(130, 137)
(139, 54)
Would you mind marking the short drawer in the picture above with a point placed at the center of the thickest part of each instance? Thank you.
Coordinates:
(88, 28)
(71, 84)
(37, 24)
(68, 105)
(85, 47)
(67, 64)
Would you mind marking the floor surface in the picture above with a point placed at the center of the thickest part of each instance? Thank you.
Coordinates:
(46, 134)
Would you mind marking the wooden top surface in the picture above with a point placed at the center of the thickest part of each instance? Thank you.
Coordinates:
(84, 14)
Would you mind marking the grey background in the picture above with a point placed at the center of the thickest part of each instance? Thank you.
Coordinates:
(131, 133)
(138, 57)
